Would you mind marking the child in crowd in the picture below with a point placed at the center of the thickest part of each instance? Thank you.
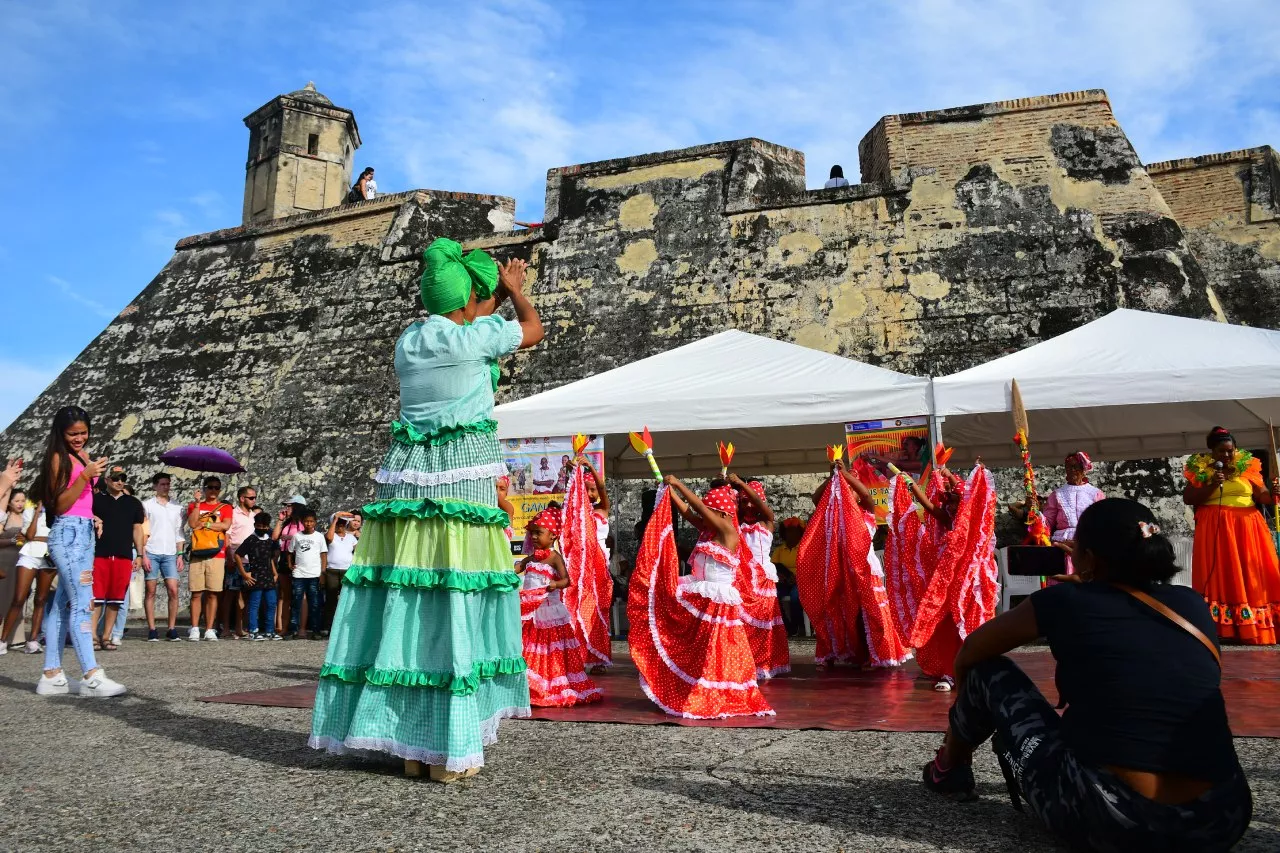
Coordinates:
(556, 660)
(310, 558)
(342, 536)
(260, 577)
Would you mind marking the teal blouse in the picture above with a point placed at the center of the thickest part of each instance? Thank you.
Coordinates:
(443, 370)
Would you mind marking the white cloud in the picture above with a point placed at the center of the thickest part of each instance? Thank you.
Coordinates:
(21, 382)
(76, 296)
(554, 87)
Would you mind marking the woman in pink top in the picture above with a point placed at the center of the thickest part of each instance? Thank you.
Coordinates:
(65, 487)
(1067, 503)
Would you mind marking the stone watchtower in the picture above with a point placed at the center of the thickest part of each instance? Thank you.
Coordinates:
(301, 150)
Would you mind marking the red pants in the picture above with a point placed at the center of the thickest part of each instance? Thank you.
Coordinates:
(111, 579)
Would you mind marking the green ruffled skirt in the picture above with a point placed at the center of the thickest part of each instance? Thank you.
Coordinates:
(425, 655)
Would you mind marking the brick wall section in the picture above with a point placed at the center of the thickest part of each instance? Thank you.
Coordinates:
(1229, 205)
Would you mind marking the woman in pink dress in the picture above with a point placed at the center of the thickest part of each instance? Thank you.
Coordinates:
(1064, 507)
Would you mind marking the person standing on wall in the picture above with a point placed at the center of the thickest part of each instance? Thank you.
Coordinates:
(360, 190)
(209, 519)
(837, 179)
(162, 556)
(114, 557)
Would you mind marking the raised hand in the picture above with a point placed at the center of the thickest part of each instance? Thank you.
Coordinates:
(511, 275)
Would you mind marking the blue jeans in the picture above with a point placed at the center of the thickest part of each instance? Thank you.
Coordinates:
(311, 586)
(71, 542)
(162, 565)
(257, 595)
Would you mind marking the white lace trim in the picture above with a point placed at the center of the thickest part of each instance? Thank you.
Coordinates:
(644, 685)
(727, 621)
(550, 648)
(716, 552)
(770, 673)
(757, 623)
(720, 593)
(544, 684)
(367, 746)
(440, 478)
(570, 693)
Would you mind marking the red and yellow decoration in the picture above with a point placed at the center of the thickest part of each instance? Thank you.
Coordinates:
(835, 452)
(642, 443)
(1037, 528)
(726, 457)
(580, 442)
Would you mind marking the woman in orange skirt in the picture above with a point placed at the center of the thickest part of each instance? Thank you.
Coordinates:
(1235, 566)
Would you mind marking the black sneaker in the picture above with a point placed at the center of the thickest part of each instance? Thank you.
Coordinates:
(172, 636)
(291, 636)
(955, 784)
(153, 636)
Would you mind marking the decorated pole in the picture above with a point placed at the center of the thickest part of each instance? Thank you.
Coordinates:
(642, 443)
(726, 457)
(1275, 470)
(1037, 528)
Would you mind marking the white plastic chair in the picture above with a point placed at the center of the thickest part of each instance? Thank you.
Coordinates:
(1011, 585)
(1183, 547)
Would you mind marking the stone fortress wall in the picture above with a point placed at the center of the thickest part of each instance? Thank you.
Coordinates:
(976, 232)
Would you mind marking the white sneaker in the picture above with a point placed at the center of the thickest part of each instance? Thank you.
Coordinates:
(32, 648)
(100, 687)
(211, 634)
(194, 635)
(59, 685)
(4, 648)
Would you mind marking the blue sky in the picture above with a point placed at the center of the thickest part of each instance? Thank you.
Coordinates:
(123, 128)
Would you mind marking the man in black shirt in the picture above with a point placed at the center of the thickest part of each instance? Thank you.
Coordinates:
(118, 552)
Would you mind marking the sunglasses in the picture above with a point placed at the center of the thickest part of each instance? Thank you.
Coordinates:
(119, 478)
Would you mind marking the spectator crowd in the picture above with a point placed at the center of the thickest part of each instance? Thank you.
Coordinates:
(251, 574)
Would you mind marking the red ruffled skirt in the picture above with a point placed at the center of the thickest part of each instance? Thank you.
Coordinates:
(1236, 570)
(688, 640)
(556, 664)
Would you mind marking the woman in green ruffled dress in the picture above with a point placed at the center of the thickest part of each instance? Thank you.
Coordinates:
(425, 658)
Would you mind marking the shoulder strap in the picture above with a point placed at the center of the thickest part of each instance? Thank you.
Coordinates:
(1174, 618)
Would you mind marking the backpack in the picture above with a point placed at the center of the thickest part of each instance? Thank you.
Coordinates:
(207, 543)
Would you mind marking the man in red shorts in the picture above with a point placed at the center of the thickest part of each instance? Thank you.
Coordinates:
(118, 552)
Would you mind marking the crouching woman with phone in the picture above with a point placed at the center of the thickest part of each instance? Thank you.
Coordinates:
(1142, 757)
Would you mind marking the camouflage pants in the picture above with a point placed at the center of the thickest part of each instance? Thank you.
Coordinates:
(1086, 806)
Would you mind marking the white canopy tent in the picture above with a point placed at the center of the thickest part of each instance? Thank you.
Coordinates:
(1130, 385)
(779, 403)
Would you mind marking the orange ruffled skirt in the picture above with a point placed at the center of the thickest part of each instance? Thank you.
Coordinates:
(1236, 569)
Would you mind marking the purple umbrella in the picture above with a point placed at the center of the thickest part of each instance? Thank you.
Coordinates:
(197, 457)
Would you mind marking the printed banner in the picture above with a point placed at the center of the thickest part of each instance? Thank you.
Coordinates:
(539, 469)
(902, 441)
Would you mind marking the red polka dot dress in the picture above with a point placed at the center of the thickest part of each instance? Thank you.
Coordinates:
(688, 640)
(555, 659)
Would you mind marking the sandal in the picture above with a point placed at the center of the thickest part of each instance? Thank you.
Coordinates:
(97, 645)
(109, 647)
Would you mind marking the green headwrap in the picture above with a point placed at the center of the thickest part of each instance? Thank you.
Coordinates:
(448, 279)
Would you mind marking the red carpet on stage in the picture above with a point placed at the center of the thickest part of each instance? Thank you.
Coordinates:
(845, 699)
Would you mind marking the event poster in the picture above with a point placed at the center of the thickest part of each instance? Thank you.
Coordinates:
(902, 441)
(539, 469)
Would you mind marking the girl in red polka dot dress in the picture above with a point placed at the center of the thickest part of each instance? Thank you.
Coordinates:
(555, 659)
(687, 638)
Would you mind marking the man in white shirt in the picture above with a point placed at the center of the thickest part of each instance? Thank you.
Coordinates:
(163, 554)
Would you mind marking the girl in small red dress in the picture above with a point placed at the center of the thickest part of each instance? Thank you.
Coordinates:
(554, 657)
(687, 639)
(758, 584)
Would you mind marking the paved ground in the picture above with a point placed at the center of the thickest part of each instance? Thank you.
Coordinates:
(159, 771)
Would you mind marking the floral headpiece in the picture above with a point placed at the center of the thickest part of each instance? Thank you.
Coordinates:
(1083, 458)
(1148, 529)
